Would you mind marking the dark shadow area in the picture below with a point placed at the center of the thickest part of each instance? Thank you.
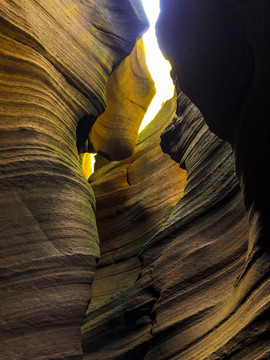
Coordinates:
(83, 128)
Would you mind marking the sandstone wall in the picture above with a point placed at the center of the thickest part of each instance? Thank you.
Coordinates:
(56, 57)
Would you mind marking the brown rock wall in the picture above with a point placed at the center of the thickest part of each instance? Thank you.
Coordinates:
(184, 279)
(55, 60)
(205, 239)
(134, 197)
(189, 267)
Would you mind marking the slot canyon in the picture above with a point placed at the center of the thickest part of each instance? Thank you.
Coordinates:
(162, 252)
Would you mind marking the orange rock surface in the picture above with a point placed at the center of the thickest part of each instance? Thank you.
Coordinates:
(134, 197)
(129, 92)
(181, 224)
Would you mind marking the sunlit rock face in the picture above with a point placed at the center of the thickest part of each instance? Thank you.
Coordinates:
(184, 253)
(185, 291)
(56, 58)
(129, 92)
(134, 197)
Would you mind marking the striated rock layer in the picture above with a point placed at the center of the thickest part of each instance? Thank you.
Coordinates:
(180, 276)
(220, 52)
(129, 92)
(55, 59)
(134, 197)
(183, 304)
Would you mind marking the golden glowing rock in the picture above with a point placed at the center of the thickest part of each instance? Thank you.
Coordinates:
(134, 197)
(129, 92)
(184, 302)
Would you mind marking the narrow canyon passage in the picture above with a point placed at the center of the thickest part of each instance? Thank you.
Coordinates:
(162, 252)
(130, 209)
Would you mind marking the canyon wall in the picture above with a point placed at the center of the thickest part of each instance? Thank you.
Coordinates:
(181, 305)
(56, 58)
(220, 54)
(175, 235)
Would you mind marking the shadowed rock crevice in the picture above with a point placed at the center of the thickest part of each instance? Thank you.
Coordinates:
(84, 126)
(234, 104)
(211, 56)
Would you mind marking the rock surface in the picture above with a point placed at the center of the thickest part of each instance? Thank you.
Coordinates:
(220, 52)
(134, 197)
(56, 58)
(186, 289)
(181, 275)
(130, 90)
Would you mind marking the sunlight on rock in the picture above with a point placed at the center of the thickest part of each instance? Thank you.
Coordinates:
(158, 66)
(88, 164)
(159, 69)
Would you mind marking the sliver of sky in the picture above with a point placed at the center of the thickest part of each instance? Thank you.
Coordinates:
(159, 67)
(160, 71)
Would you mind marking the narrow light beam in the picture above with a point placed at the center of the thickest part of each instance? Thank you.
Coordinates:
(159, 67)
(88, 164)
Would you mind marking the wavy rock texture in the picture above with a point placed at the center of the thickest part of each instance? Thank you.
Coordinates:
(129, 92)
(56, 57)
(200, 286)
(183, 302)
(134, 197)
(220, 53)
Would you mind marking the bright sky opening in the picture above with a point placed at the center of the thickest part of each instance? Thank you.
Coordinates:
(88, 164)
(159, 67)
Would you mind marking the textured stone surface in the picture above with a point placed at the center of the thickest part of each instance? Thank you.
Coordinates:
(184, 279)
(129, 91)
(220, 53)
(186, 288)
(134, 197)
(226, 74)
(55, 59)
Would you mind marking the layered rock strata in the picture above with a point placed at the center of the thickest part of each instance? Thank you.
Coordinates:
(133, 197)
(176, 280)
(56, 58)
(182, 305)
(129, 92)
(220, 52)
